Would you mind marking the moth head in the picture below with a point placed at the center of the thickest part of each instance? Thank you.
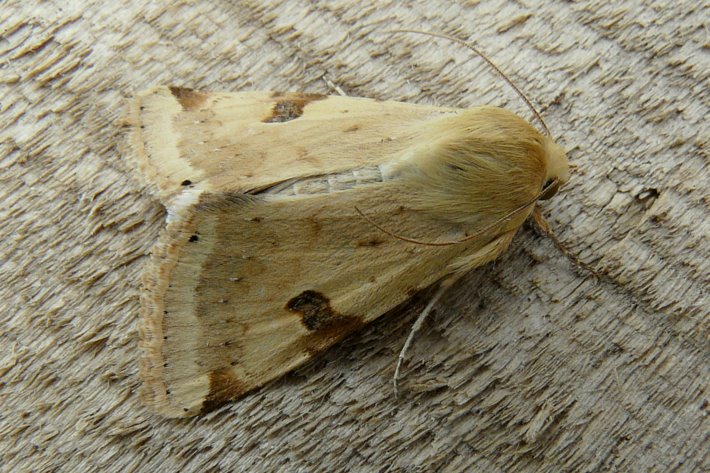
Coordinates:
(557, 168)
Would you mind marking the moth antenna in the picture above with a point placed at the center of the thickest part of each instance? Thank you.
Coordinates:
(493, 66)
(552, 183)
(543, 228)
(431, 243)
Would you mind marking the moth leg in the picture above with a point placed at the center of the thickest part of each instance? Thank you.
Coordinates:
(543, 229)
(443, 286)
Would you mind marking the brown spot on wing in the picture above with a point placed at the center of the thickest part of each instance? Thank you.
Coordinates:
(315, 225)
(326, 325)
(374, 241)
(290, 106)
(224, 387)
(315, 310)
(285, 111)
(189, 99)
(318, 342)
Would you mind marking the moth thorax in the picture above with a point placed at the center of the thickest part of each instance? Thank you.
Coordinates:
(557, 164)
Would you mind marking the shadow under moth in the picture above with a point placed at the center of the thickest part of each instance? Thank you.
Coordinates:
(266, 259)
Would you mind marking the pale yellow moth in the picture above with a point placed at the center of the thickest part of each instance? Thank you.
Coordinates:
(265, 261)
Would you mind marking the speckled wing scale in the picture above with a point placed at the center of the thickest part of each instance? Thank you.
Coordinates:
(264, 261)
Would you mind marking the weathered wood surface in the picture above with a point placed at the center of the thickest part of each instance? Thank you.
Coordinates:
(528, 364)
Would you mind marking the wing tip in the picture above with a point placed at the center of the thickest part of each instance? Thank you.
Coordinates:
(156, 390)
(154, 140)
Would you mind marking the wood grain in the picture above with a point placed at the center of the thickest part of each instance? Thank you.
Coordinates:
(528, 365)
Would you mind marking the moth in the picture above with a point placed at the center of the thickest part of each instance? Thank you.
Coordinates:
(266, 259)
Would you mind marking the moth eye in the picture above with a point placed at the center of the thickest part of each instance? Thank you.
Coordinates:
(549, 189)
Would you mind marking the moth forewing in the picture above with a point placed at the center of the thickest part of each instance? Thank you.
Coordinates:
(251, 140)
(265, 263)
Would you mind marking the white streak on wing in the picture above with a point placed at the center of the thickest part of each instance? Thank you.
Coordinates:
(184, 199)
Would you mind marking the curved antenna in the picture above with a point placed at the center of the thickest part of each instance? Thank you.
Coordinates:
(490, 63)
(551, 184)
